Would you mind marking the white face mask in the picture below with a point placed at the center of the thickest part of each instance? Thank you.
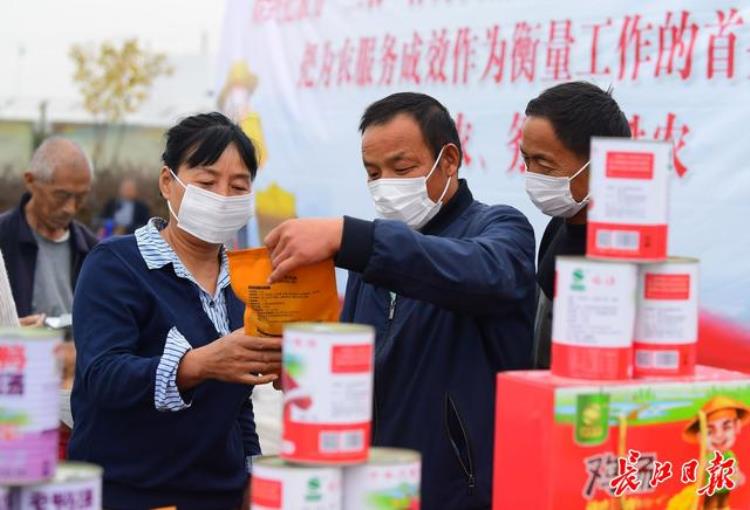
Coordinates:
(211, 217)
(407, 199)
(552, 195)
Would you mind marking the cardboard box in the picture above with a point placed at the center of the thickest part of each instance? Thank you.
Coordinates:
(558, 440)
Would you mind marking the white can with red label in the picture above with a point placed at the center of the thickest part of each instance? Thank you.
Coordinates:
(390, 479)
(279, 486)
(593, 318)
(29, 405)
(666, 330)
(627, 215)
(75, 485)
(327, 381)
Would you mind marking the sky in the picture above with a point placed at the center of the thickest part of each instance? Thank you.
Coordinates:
(36, 35)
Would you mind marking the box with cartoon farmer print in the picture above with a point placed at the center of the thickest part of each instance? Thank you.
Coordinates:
(650, 444)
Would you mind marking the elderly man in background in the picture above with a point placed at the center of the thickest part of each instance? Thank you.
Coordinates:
(43, 246)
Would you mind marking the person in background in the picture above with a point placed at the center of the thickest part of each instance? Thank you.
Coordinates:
(8, 315)
(43, 245)
(126, 212)
(164, 374)
(446, 281)
(556, 145)
(66, 355)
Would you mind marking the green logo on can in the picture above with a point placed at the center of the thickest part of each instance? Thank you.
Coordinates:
(578, 280)
(313, 490)
(592, 419)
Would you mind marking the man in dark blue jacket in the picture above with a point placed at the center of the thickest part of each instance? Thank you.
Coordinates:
(448, 283)
(43, 245)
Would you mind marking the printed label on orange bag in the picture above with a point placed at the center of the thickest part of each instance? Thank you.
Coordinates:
(327, 379)
(307, 294)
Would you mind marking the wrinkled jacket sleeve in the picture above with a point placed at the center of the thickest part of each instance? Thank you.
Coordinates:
(106, 333)
(477, 275)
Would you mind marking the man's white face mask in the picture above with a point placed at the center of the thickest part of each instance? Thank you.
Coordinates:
(552, 195)
(407, 199)
(211, 217)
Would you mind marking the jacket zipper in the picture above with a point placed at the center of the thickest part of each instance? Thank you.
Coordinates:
(391, 312)
(468, 466)
(375, 413)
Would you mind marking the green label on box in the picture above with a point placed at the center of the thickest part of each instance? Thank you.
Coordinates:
(592, 418)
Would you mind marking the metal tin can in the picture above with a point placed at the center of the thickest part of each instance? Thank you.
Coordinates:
(666, 330)
(327, 380)
(5, 502)
(276, 485)
(627, 215)
(75, 485)
(389, 479)
(593, 318)
(29, 407)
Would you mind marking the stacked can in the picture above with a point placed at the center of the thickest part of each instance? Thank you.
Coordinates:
(593, 318)
(626, 310)
(327, 380)
(4, 498)
(627, 216)
(75, 485)
(666, 330)
(29, 409)
(326, 462)
(30, 477)
(390, 479)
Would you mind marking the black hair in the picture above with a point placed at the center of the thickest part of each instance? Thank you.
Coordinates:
(435, 122)
(577, 111)
(201, 139)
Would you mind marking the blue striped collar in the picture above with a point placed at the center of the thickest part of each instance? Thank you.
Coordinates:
(157, 253)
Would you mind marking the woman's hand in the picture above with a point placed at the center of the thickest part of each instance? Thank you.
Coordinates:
(235, 358)
(32, 321)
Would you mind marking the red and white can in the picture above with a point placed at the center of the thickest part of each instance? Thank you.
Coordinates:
(389, 479)
(666, 324)
(627, 216)
(593, 317)
(29, 405)
(279, 486)
(327, 381)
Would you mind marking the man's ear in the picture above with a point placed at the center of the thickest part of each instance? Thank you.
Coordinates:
(28, 180)
(451, 160)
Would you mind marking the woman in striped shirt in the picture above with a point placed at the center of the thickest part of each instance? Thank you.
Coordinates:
(164, 374)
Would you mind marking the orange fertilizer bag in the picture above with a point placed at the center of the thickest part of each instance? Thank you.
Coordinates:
(307, 294)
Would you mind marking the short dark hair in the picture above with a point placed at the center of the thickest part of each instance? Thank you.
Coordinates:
(434, 120)
(201, 139)
(577, 111)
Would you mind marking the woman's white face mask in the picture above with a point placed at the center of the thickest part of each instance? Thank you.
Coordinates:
(211, 217)
(407, 199)
(552, 195)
